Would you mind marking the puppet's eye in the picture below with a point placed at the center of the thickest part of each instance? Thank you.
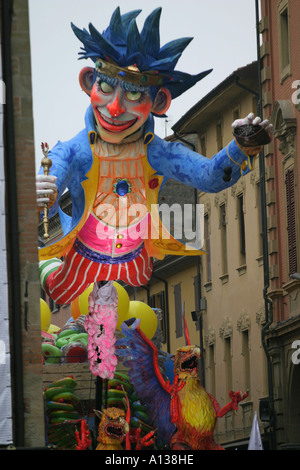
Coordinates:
(133, 95)
(106, 88)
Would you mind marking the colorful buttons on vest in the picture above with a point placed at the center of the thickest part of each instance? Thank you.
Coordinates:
(122, 187)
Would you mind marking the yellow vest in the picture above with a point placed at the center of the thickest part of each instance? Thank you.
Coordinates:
(161, 242)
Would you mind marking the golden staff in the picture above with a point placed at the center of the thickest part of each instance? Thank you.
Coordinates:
(46, 164)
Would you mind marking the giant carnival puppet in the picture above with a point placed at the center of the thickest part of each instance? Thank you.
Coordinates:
(114, 169)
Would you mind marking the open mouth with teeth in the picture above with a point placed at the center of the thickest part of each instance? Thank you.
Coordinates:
(189, 364)
(113, 125)
(114, 430)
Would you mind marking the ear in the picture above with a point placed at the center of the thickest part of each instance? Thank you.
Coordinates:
(162, 101)
(86, 77)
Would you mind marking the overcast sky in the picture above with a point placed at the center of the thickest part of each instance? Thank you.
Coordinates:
(224, 33)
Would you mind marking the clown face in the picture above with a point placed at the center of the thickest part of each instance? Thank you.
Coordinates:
(120, 108)
(119, 113)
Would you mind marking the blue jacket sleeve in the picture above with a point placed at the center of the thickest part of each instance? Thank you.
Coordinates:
(175, 160)
(71, 161)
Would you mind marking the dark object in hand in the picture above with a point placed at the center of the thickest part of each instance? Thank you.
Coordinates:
(250, 135)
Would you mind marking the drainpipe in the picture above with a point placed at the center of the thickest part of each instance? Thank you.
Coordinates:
(237, 83)
(13, 230)
(200, 318)
(267, 301)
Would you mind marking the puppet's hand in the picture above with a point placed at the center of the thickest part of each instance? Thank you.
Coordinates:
(145, 441)
(251, 119)
(248, 140)
(236, 397)
(46, 189)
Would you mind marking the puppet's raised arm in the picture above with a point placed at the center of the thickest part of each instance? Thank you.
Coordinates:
(211, 175)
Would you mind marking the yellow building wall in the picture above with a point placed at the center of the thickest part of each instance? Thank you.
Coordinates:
(234, 302)
(235, 305)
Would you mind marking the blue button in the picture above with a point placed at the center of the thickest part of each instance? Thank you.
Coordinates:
(122, 188)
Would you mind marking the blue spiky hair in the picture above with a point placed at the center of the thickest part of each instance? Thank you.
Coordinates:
(122, 43)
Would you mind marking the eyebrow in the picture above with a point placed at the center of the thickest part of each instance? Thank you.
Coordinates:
(100, 77)
(126, 86)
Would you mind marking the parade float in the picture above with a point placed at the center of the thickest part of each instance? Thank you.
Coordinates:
(114, 169)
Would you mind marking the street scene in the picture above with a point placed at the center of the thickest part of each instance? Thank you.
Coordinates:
(150, 281)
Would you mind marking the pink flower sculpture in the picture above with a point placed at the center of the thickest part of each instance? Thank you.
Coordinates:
(100, 324)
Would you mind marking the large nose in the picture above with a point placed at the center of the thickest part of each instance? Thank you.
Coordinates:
(114, 107)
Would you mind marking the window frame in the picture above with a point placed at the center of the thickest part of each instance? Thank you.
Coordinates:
(284, 47)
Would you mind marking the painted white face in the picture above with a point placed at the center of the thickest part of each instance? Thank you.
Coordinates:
(119, 113)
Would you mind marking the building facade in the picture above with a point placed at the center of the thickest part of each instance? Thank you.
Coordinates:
(23, 351)
(279, 29)
(222, 290)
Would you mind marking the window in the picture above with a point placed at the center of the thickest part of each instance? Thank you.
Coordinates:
(228, 363)
(284, 26)
(284, 39)
(158, 301)
(161, 303)
(178, 312)
(291, 220)
(246, 357)
(219, 132)
(152, 301)
(203, 145)
(207, 248)
(197, 291)
(236, 113)
(260, 222)
(212, 370)
(242, 241)
(223, 228)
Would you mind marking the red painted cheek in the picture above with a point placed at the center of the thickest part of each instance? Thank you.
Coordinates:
(143, 109)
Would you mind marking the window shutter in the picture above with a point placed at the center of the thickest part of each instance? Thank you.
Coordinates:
(242, 225)
(178, 308)
(291, 221)
(197, 297)
(152, 301)
(163, 323)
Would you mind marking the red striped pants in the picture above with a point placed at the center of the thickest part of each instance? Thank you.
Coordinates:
(76, 273)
